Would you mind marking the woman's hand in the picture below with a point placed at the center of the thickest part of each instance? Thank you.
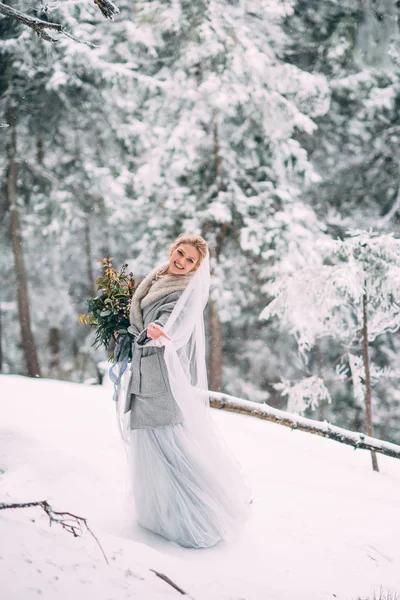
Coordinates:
(154, 331)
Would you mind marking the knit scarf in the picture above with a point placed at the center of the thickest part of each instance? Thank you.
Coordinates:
(157, 284)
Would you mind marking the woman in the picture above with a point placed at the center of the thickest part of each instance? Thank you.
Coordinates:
(186, 485)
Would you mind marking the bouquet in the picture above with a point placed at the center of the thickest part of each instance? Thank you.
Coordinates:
(109, 311)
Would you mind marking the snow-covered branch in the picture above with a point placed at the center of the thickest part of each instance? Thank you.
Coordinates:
(37, 25)
(107, 7)
(268, 413)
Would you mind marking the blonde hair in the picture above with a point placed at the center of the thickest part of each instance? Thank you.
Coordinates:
(194, 240)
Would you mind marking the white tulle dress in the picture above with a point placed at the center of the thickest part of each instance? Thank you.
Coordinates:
(178, 493)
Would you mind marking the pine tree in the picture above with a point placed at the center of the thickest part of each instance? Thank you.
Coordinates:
(66, 155)
(215, 148)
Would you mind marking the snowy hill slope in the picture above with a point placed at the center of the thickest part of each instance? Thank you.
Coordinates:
(323, 524)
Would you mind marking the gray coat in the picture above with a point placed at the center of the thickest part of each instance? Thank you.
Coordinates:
(149, 396)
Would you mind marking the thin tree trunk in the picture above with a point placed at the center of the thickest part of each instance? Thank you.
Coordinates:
(217, 156)
(215, 355)
(1, 340)
(322, 403)
(39, 150)
(368, 405)
(28, 343)
(215, 349)
(89, 258)
(54, 348)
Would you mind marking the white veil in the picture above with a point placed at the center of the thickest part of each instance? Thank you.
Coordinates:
(185, 357)
(185, 352)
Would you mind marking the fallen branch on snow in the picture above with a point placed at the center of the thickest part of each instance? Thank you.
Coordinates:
(169, 581)
(73, 524)
(268, 413)
(68, 521)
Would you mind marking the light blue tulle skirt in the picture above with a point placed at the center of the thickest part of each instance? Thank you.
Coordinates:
(180, 493)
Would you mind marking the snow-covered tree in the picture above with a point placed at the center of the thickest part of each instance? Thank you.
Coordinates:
(355, 149)
(352, 296)
(215, 139)
(64, 170)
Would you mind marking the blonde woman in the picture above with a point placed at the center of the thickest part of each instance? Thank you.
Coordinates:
(186, 485)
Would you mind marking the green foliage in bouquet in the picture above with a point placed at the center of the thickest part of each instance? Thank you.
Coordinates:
(109, 311)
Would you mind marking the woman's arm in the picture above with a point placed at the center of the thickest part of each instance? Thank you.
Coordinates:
(155, 329)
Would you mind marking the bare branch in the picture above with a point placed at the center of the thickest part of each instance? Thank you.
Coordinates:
(72, 37)
(169, 581)
(68, 521)
(74, 524)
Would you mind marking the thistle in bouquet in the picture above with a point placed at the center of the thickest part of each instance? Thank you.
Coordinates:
(109, 311)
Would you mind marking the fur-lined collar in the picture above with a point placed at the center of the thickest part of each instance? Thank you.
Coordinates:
(157, 284)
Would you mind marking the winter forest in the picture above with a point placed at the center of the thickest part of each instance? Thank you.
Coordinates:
(270, 127)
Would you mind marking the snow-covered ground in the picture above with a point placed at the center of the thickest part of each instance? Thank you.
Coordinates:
(323, 524)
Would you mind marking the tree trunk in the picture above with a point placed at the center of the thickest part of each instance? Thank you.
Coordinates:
(39, 150)
(322, 403)
(28, 344)
(217, 156)
(368, 406)
(54, 348)
(215, 356)
(1, 341)
(215, 349)
(89, 258)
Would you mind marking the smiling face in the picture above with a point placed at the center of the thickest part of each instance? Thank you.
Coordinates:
(183, 259)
